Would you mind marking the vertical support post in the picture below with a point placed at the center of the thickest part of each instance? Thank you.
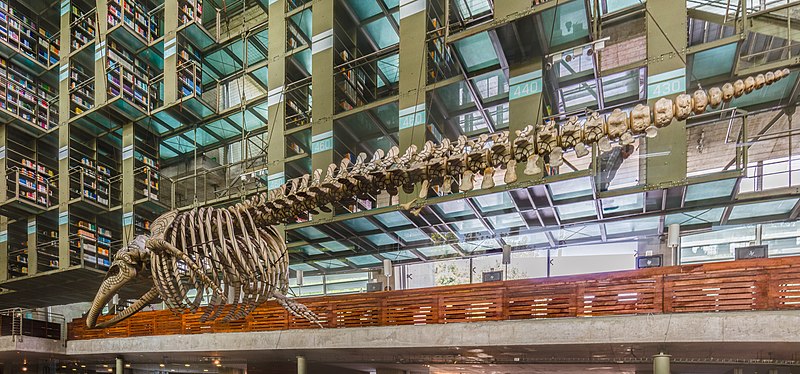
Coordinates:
(33, 255)
(276, 77)
(413, 78)
(3, 247)
(323, 83)
(63, 135)
(120, 364)
(128, 181)
(100, 94)
(170, 51)
(666, 72)
(301, 365)
(525, 102)
(661, 364)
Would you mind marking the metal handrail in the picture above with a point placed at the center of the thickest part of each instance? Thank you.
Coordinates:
(20, 316)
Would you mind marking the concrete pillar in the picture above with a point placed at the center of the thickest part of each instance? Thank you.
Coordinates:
(666, 72)
(301, 365)
(323, 93)
(33, 254)
(3, 247)
(120, 364)
(525, 103)
(100, 79)
(413, 78)
(661, 364)
(276, 78)
(170, 59)
(64, 100)
(128, 182)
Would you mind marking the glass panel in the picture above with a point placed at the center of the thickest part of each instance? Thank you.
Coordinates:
(330, 264)
(621, 204)
(472, 8)
(577, 233)
(439, 273)
(303, 21)
(506, 222)
(390, 68)
(713, 62)
(310, 250)
(364, 8)
(491, 86)
(382, 33)
(526, 239)
(717, 245)
(773, 92)
(476, 52)
(438, 251)
(647, 225)
(695, 217)
(468, 226)
(710, 190)
(479, 245)
(360, 224)
(364, 260)
(768, 208)
(593, 258)
(565, 23)
(393, 219)
(570, 189)
(412, 235)
(615, 5)
(303, 267)
(310, 233)
(579, 96)
(335, 246)
(381, 239)
(577, 210)
(494, 202)
(625, 85)
(454, 209)
(400, 255)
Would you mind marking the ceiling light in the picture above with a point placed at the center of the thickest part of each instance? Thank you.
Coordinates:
(110, 370)
(127, 365)
(24, 368)
(205, 370)
(83, 366)
(161, 365)
(216, 361)
(187, 365)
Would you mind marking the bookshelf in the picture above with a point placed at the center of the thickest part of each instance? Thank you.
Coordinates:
(190, 74)
(83, 26)
(27, 34)
(127, 75)
(27, 97)
(47, 241)
(90, 175)
(17, 249)
(134, 16)
(30, 170)
(89, 242)
(146, 165)
(81, 88)
(190, 11)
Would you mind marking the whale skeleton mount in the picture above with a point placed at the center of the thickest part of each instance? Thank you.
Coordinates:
(236, 258)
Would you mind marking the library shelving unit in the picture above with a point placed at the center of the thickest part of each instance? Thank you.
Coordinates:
(190, 73)
(130, 22)
(93, 168)
(26, 98)
(17, 249)
(146, 166)
(31, 38)
(81, 88)
(83, 27)
(190, 19)
(31, 183)
(47, 241)
(127, 77)
(91, 238)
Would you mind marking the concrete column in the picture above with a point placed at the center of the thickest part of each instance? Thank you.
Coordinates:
(276, 79)
(33, 255)
(3, 247)
(323, 88)
(661, 364)
(119, 365)
(128, 182)
(64, 100)
(413, 61)
(100, 79)
(301, 365)
(525, 102)
(170, 44)
(666, 72)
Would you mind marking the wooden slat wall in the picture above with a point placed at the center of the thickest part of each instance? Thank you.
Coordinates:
(764, 284)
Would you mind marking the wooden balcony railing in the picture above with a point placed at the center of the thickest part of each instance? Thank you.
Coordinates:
(764, 284)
